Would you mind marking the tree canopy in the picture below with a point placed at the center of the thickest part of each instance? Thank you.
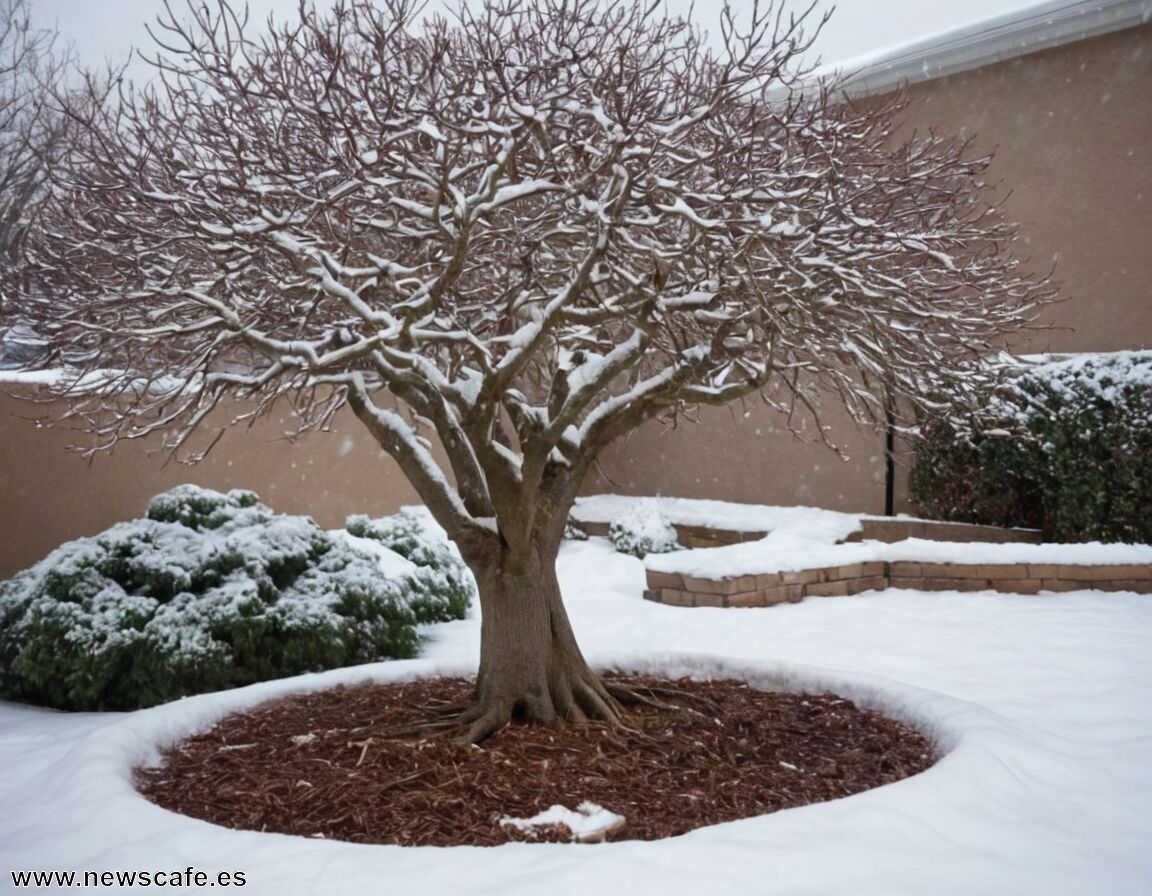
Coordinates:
(524, 231)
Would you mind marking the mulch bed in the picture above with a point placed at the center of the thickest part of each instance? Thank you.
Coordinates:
(318, 765)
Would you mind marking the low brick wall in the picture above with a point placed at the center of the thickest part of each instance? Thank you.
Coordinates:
(767, 589)
(837, 581)
(1020, 578)
(702, 537)
(899, 529)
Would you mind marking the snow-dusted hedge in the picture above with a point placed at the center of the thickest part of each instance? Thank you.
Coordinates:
(212, 591)
(642, 529)
(1069, 448)
(441, 587)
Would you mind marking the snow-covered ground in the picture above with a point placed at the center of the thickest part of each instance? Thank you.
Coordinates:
(784, 550)
(1045, 704)
(809, 538)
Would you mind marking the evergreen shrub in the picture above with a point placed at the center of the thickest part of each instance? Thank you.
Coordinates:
(642, 529)
(213, 591)
(1067, 447)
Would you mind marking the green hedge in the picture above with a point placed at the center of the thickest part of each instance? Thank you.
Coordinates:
(212, 591)
(1069, 448)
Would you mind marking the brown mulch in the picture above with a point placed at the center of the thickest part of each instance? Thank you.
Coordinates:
(328, 764)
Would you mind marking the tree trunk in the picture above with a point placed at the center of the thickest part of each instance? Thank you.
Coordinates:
(531, 668)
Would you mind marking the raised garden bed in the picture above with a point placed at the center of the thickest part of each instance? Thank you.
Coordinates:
(759, 556)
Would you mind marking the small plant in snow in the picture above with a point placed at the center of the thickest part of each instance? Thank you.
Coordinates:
(642, 529)
(574, 532)
(210, 591)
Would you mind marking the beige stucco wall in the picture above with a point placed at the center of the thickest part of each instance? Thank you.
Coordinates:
(49, 494)
(1072, 128)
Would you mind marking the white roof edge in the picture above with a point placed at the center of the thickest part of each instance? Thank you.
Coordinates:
(1048, 24)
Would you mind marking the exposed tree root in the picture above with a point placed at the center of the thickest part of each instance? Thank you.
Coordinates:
(441, 707)
(489, 722)
(582, 705)
(581, 700)
(416, 731)
(584, 701)
(576, 701)
(668, 699)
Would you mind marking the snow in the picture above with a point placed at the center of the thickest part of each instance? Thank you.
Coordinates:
(784, 551)
(1105, 375)
(512, 192)
(588, 823)
(682, 208)
(641, 528)
(391, 564)
(831, 525)
(807, 538)
(1129, 366)
(48, 377)
(1042, 705)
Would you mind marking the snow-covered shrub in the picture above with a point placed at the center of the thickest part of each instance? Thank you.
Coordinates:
(210, 591)
(442, 586)
(642, 529)
(1069, 446)
(200, 508)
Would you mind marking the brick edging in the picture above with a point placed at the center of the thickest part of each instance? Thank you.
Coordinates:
(768, 589)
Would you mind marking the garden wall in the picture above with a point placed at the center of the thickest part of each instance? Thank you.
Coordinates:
(838, 581)
(49, 494)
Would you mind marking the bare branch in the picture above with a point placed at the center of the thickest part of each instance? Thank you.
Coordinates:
(536, 226)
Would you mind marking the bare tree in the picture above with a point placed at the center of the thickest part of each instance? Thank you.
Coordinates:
(32, 133)
(33, 137)
(524, 232)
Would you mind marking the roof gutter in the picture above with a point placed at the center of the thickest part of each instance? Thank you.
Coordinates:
(993, 40)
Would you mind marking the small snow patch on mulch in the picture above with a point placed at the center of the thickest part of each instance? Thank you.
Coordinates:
(588, 824)
(329, 764)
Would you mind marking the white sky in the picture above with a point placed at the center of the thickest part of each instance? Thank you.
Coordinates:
(101, 29)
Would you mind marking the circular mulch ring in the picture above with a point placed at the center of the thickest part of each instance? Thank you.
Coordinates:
(329, 764)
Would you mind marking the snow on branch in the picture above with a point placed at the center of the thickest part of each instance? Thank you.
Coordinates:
(536, 225)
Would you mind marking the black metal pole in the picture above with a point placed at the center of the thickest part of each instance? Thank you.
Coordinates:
(889, 462)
